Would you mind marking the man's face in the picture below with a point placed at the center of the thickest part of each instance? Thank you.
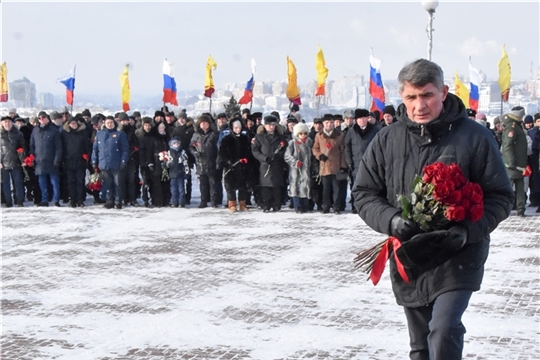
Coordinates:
(109, 124)
(124, 122)
(158, 119)
(337, 123)
(204, 126)
(147, 127)
(270, 128)
(424, 104)
(528, 126)
(362, 121)
(388, 118)
(318, 126)
(221, 121)
(328, 125)
(7, 124)
(182, 121)
(169, 119)
(73, 125)
(349, 121)
(290, 126)
(161, 129)
(537, 123)
(43, 120)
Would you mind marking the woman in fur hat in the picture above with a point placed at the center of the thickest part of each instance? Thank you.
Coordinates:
(298, 157)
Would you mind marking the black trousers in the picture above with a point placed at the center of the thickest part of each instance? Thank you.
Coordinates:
(75, 182)
(219, 187)
(242, 195)
(131, 173)
(436, 331)
(271, 197)
(207, 185)
(331, 192)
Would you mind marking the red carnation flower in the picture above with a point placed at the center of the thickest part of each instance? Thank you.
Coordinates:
(328, 146)
(476, 212)
(455, 213)
(454, 198)
(442, 190)
(20, 150)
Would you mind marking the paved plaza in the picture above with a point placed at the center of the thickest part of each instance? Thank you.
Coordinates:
(197, 283)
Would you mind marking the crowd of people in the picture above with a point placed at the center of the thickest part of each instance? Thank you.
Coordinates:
(267, 162)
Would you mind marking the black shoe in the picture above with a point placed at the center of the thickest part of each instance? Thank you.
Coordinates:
(276, 209)
(9, 205)
(182, 205)
(19, 205)
(43, 204)
(108, 205)
(72, 204)
(188, 202)
(337, 212)
(119, 206)
(354, 211)
(202, 205)
(325, 211)
(98, 201)
(538, 210)
(80, 204)
(266, 210)
(57, 204)
(30, 197)
(134, 204)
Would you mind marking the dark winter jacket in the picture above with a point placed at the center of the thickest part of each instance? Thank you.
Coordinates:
(269, 150)
(159, 143)
(46, 145)
(204, 149)
(111, 149)
(514, 147)
(400, 152)
(146, 140)
(185, 133)
(356, 143)
(179, 162)
(233, 148)
(133, 142)
(76, 147)
(11, 141)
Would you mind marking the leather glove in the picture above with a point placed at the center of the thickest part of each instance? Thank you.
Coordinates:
(323, 157)
(344, 170)
(426, 251)
(268, 160)
(403, 229)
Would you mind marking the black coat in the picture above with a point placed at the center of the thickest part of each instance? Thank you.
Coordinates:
(75, 144)
(397, 154)
(46, 145)
(356, 143)
(204, 150)
(185, 133)
(232, 149)
(269, 150)
(10, 141)
(158, 143)
(133, 142)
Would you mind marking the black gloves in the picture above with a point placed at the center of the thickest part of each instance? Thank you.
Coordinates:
(323, 157)
(403, 229)
(268, 160)
(344, 170)
(426, 251)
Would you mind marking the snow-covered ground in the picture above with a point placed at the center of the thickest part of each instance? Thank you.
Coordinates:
(195, 283)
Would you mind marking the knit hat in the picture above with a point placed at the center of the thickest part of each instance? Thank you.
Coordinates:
(270, 119)
(360, 113)
(12, 111)
(244, 111)
(471, 113)
(55, 115)
(518, 112)
(389, 109)
(122, 116)
(86, 112)
(223, 115)
(300, 128)
(71, 118)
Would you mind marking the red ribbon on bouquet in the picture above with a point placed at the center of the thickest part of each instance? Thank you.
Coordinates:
(382, 258)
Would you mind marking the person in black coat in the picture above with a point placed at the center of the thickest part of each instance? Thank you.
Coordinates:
(316, 183)
(160, 187)
(132, 169)
(269, 149)
(145, 137)
(13, 149)
(432, 126)
(46, 146)
(76, 153)
(235, 158)
(184, 131)
(204, 149)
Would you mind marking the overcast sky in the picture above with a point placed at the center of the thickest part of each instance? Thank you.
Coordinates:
(43, 40)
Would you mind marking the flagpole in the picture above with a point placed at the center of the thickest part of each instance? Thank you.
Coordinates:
(210, 108)
(318, 104)
(502, 106)
(250, 104)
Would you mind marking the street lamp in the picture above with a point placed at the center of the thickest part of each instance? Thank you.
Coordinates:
(430, 6)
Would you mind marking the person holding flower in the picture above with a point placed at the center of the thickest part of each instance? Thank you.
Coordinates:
(13, 147)
(268, 148)
(446, 263)
(298, 157)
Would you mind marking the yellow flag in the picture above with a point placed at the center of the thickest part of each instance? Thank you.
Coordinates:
(504, 75)
(461, 91)
(208, 81)
(3, 83)
(126, 92)
(322, 72)
(293, 93)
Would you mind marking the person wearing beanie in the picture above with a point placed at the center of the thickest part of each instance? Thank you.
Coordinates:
(11, 140)
(348, 120)
(328, 149)
(12, 112)
(497, 129)
(131, 178)
(443, 266)
(389, 114)
(291, 122)
(528, 122)
(76, 150)
(268, 147)
(204, 149)
(534, 180)
(298, 158)
(235, 160)
(159, 116)
(514, 154)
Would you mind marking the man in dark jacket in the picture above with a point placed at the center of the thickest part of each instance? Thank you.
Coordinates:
(432, 126)
(204, 149)
(132, 169)
(514, 153)
(184, 131)
(46, 146)
(110, 155)
(13, 149)
(76, 154)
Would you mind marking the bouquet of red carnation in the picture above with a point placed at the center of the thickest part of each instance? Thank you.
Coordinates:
(442, 196)
(165, 159)
(94, 184)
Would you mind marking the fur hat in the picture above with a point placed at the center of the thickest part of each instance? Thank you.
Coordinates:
(147, 120)
(159, 113)
(295, 107)
(497, 120)
(328, 117)
(300, 128)
(348, 114)
(270, 119)
(222, 115)
(517, 112)
(71, 119)
(42, 113)
(136, 114)
(276, 114)
(528, 119)
(204, 118)
(292, 119)
(122, 116)
(256, 115)
(86, 112)
(95, 119)
(389, 109)
(338, 117)
(244, 111)
(360, 113)
(12, 111)
(317, 121)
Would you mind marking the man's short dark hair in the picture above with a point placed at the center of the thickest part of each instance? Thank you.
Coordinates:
(420, 73)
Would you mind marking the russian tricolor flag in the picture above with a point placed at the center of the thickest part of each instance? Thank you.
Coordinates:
(248, 92)
(69, 82)
(376, 89)
(169, 85)
(476, 80)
